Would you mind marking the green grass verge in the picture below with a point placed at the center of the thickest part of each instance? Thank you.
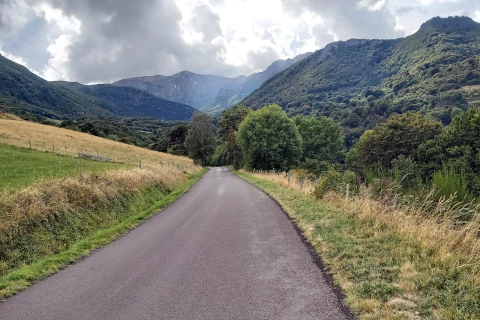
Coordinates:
(26, 275)
(378, 268)
(20, 167)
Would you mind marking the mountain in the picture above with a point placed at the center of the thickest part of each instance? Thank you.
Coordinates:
(205, 92)
(131, 102)
(362, 82)
(228, 97)
(22, 91)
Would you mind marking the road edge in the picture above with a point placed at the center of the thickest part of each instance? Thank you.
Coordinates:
(27, 275)
(316, 258)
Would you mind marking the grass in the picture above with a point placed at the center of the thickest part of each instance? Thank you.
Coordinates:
(136, 209)
(391, 264)
(68, 142)
(20, 167)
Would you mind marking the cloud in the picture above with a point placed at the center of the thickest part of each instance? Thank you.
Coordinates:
(206, 22)
(346, 19)
(103, 40)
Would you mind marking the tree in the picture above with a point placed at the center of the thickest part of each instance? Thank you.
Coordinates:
(177, 140)
(200, 140)
(269, 140)
(456, 148)
(400, 135)
(227, 133)
(322, 138)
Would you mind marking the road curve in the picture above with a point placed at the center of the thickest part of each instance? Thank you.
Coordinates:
(225, 250)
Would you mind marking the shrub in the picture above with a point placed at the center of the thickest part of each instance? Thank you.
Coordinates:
(330, 181)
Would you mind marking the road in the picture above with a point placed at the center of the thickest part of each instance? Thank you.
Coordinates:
(225, 250)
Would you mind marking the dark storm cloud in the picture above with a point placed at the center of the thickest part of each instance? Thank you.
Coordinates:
(349, 18)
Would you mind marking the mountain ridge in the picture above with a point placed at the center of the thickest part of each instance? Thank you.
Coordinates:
(208, 93)
(360, 82)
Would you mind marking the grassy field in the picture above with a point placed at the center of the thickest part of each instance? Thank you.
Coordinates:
(46, 243)
(390, 264)
(67, 142)
(20, 167)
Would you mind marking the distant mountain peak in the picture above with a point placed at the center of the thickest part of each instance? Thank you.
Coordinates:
(455, 23)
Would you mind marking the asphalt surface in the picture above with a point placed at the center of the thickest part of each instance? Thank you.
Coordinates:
(225, 250)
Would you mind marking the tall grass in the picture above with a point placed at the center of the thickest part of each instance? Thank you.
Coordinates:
(50, 215)
(450, 184)
(433, 243)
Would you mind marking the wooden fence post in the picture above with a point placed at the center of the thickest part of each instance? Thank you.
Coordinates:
(30, 143)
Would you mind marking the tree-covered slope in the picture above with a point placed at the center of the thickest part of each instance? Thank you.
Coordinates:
(131, 102)
(362, 82)
(22, 91)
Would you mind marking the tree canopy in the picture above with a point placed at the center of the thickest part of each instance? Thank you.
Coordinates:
(322, 138)
(400, 135)
(200, 140)
(270, 140)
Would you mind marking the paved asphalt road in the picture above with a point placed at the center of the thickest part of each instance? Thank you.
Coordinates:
(225, 250)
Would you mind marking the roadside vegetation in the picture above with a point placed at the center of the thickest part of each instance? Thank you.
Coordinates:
(52, 214)
(396, 217)
(404, 263)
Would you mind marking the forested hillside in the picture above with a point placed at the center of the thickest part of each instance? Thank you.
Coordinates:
(22, 91)
(131, 102)
(360, 83)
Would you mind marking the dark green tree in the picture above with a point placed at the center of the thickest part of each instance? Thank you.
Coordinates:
(200, 140)
(227, 134)
(322, 138)
(400, 135)
(269, 140)
(457, 148)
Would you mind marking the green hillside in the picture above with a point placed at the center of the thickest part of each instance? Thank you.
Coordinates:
(362, 82)
(22, 91)
(132, 102)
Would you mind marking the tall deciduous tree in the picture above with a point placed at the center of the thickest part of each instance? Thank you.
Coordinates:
(322, 138)
(400, 135)
(227, 133)
(200, 140)
(269, 140)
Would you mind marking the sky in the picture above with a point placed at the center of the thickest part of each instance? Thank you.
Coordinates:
(101, 41)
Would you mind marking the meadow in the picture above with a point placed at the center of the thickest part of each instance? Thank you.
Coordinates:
(51, 215)
(20, 167)
(67, 142)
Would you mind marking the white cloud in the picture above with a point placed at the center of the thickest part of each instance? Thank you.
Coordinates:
(102, 40)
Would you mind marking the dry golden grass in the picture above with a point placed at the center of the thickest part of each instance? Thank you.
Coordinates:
(437, 260)
(44, 200)
(49, 138)
(8, 116)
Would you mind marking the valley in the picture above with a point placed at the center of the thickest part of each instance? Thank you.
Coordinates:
(342, 183)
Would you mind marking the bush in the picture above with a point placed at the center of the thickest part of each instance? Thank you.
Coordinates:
(330, 181)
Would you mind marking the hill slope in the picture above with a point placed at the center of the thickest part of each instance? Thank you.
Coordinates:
(131, 102)
(68, 142)
(361, 82)
(22, 91)
(205, 92)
